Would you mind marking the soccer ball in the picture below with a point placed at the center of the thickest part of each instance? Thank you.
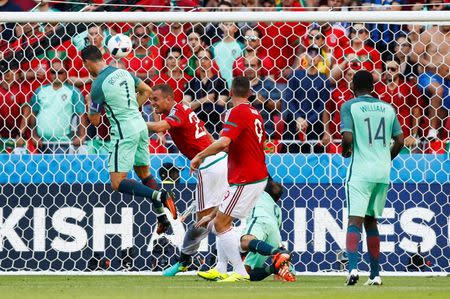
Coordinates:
(119, 45)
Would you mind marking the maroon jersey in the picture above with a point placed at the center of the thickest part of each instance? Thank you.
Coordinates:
(187, 131)
(246, 158)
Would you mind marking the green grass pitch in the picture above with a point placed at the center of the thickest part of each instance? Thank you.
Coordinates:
(313, 287)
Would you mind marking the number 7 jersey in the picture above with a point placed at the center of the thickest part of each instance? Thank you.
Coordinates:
(373, 124)
(115, 89)
(187, 131)
(246, 158)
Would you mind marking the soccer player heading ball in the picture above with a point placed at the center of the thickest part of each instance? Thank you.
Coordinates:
(367, 127)
(115, 89)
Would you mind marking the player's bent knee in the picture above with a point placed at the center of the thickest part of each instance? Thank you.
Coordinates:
(245, 241)
(115, 185)
(115, 181)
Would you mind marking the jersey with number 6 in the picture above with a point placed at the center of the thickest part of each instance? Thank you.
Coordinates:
(187, 130)
(246, 158)
(373, 124)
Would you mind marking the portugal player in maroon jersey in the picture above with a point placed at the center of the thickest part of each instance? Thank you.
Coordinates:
(190, 136)
(243, 135)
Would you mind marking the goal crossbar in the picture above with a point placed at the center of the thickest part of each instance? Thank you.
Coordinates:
(204, 17)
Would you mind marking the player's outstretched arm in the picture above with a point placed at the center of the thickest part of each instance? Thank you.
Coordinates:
(397, 146)
(217, 146)
(144, 92)
(158, 126)
(347, 142)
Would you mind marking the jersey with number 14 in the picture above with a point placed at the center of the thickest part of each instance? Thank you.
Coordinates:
(187, 131)
(373, 124)
(246, 158)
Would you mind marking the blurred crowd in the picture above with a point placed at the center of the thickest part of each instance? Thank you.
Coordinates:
(300, 73)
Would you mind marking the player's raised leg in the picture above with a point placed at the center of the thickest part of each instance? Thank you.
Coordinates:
(166, 198)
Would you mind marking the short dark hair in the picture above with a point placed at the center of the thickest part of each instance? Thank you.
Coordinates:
(175, 49)
(362, 82)
(240, 87)
(226, 3)
(166, 89)
(91, 53)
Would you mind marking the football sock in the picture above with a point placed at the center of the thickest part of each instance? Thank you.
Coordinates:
(230, 241)
(150, 182)
(185, 259)
(222, 261)
(258, 274)
(135, 188)
(373, 246)
(261, 247)
(192, 240)
(352, 242)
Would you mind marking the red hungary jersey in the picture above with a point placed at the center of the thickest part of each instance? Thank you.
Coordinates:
(246, 159)
(187, 131)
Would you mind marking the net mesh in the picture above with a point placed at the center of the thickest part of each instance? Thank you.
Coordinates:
(58, 212)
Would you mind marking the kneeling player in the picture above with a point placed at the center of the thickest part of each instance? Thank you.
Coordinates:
(261, 239)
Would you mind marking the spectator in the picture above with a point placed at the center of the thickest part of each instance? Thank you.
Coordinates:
(334, 40)
(331, 118)
(226, 51)
(404, 98)
(382, 35)
(303, 102)
(3, 42)
(207, 93)
(36, 70)
(283, 49)
(173, 73)
(317, 45)
(78, 74)
(53, 107)
(13, 96)
(173, 35)
(358, 52)
(253, 47)
(432, 50)
(145, 60)
(43, 6)
(402, 52)
(293, 5)
(266, 97)
(196, 44)
(5, 5)
(213, 31)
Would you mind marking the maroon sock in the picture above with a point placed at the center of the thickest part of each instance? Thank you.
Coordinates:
(373, 246)
(150, 182)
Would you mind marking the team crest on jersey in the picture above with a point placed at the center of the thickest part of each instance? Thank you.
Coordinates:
(64, 97)
(226, 195)
(173, 111)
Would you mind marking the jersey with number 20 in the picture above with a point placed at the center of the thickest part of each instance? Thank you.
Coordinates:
(246, 158)
(187, 130)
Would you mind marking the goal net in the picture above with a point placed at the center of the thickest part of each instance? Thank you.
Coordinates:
(58, 212)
